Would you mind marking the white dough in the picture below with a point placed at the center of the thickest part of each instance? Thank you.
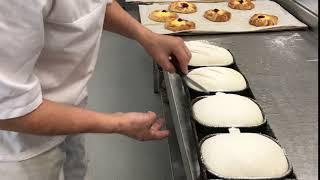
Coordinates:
(241, 155)
(227, 110)
(216, 79)
(208, 55)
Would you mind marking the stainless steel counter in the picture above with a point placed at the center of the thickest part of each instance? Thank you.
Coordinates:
(310, 4)
(282, 70)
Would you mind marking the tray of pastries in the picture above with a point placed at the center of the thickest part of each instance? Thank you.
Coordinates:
(223, 17)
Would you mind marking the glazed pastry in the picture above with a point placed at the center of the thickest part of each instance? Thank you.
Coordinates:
(179, 25)
(162, 16)
(263, 20)
(241, 4)
(183, 7)
(217, 15)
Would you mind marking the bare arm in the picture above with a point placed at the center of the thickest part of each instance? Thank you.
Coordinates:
(160, 47)
(52, 118)
(119, 21)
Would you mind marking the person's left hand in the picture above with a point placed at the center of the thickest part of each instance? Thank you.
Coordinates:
(161, 47)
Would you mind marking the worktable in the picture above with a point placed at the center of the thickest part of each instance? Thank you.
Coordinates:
(282, 71)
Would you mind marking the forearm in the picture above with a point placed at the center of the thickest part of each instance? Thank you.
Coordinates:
(52, 118)
(117, 20)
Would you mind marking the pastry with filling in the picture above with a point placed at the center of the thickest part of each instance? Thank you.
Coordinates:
(179, 25)
(183, 7)
(162, 16)
(217, 15)
(227, 110)
(244, 156)
(204, 54)
(260, 20)
(241, 4)
(217, 79)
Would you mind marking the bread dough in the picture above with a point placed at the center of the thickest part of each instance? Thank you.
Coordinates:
(215, 79)
(208, 55)
(227, 110)
(242, 155)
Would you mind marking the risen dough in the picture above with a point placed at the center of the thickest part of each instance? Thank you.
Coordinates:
(216, 79)
(243, 155)
(208, 55)
(227, 110)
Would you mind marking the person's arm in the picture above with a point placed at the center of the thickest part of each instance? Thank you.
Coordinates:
(22, 107)
(52, 118)
(160, 47)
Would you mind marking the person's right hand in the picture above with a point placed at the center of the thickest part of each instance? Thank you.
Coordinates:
(140, 126)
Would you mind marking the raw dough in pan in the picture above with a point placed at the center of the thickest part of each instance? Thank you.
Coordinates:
(227, 110)
(217, 79)
(208, 55)
(244, 155)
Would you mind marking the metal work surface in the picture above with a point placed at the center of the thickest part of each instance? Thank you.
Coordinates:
(310, 4)
(282, 70)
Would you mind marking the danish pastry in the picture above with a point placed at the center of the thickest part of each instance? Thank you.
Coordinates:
(217, 15)
(162, 16)
(241, 4)
(182, 7)
(263, 20)
(179, 25)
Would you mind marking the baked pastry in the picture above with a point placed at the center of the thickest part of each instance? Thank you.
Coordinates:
(263, 20)
(162, 16)
(241, 4)
(208, 55)
(179, 25)
(217, 79)
(244, 156)
(227, 110)
(217, 15)
(183, 7)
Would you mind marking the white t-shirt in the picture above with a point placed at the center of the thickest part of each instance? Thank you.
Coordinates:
(48, 49)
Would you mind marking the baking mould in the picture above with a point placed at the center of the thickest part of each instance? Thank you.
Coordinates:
(216, 175)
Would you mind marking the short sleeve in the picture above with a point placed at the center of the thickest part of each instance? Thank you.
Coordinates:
(21, 42)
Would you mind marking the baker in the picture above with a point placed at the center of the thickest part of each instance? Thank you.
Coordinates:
(48, 50)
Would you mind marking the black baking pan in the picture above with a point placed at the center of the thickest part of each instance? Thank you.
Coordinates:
(201, 132)
(209, 129)
(212, 175)
(245, 92)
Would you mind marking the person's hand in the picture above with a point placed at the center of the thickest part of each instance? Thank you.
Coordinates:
(140, 126)
(161, 47)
